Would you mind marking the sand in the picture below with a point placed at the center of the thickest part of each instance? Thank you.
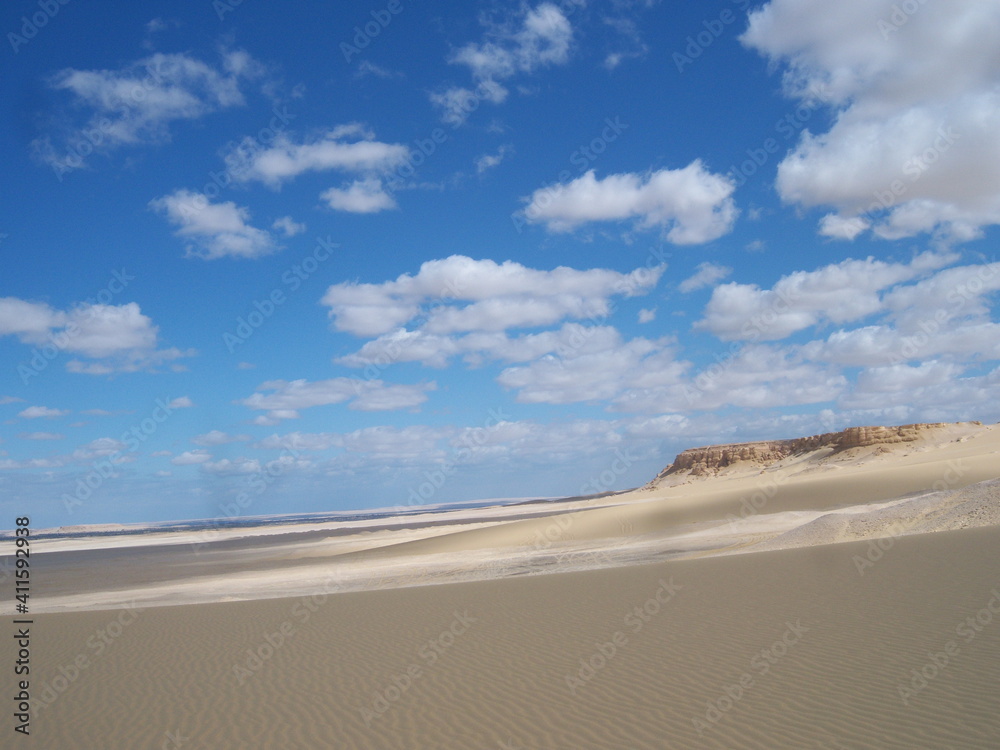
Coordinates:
(834, 615)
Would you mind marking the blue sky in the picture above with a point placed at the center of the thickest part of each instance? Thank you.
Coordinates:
(262, 259)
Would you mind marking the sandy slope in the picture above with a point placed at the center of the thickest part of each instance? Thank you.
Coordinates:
(501, 681)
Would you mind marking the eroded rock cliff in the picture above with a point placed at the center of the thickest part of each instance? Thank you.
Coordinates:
(709, 460)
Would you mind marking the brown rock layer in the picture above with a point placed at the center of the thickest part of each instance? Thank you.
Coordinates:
(708, 460)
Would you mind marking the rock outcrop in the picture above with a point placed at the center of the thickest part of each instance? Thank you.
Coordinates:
(709, 460)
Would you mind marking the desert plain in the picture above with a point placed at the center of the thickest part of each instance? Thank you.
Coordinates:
(839, 592)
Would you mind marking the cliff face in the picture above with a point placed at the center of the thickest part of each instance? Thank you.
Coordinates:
(708, 460)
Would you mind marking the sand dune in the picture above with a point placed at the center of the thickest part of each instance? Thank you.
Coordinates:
(817, 600)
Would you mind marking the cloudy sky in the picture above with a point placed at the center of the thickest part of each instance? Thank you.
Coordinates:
(322, 256)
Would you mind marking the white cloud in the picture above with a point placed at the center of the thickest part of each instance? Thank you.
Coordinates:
(137, 103)
(933, 390)
(182, 402)
(100, 448)
(10, 400)
(188, 458)
(29, 321)
(539, 37)
(286, 398)
(600, 367)
(239, 465)
(217, 437)
(691, 205)
(915, 104)
(842, 227)
(489, 161)
(288, 226)
(368, 68)
(500, 296)
(837, 293)
(367, 196)
(216, 230)
(753, 377)
(347, 148)
(705, 275)
(457, 103)
(118, 337)
(42, 412)
(946, 315)
(543, 38)
(41, 436)
(647, 315)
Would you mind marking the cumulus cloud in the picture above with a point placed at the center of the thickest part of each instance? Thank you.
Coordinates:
(116, 338)
(283, 399)
(137, 103)
(946, 315)
(367, 196)
(915, 107)
(705, 275)
(288, 226)
(489, 161)
(497, 296)
(41, 436)
(690, 205)
(838, 293)
(600, 368)
(215, 230)
(181, 402)
(842, 227)
(349, 148)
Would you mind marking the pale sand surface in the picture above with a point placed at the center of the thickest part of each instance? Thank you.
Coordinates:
(503, 679)
(546, 583)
